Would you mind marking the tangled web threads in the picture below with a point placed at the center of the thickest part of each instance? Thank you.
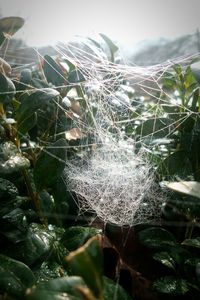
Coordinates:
(114, 184)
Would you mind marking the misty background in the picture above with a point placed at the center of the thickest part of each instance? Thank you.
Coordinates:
(147, 32)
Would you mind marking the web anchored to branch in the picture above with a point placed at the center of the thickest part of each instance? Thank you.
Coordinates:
(115, 181)
(109, 105)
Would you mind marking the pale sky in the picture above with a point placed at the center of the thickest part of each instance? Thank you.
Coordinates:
(127, 21)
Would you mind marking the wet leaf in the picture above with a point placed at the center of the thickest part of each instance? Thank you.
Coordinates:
(175, 163)
(113, 290)
(7, 189)
(165, 259)
(76, 236)
(171, 285)
(15, 163)
(37, 100)
(155, 128)
(88, 257)
(157, 238)
(26, 124)
(113, 48)
(194, 243)
(10, 283)
(75, 76)
(48, 270)
(52, 159)
(66, 288)
(36, 245)
(53, 72)
(46, 203)
(19, 269)
(190, 266)
(7, 89)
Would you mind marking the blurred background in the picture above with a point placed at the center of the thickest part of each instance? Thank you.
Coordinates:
(147, 32)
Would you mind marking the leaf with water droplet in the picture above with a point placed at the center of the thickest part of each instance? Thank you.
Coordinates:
(171, 285)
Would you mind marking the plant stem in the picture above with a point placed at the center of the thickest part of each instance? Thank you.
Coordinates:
(189, 229)
(34, 197)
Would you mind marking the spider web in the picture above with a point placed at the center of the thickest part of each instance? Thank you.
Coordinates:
(114, 178)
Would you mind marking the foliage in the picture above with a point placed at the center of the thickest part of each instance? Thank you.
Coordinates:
(47, 249)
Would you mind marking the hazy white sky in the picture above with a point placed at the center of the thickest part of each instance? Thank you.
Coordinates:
(128, 21)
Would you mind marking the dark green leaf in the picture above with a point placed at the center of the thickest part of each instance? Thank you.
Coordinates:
(165, 259)
(37, 100)
(7, 189)
(113, 48)
(48, 270)
(194, 243)
(26, 124)
(66, 288)
(190, 266)
(26, 77)
(11, 284)
(53, 72)
(113, 290)
(38, 243)
(7, 89)
(89, 257)
(75, 76)
(52, 159)
(171, 285)
(175, 163)
(157, 238)
(76, 236)
(155, 128)
(19, 269)
(46, 203)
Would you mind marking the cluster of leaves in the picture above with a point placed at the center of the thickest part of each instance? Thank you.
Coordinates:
(46, 251)
(39, 257)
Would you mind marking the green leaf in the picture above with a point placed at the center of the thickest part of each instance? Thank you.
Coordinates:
(157, 238)
(113, 290)
(46, 203)
(7, 89)
(19, 269)
(175, 163)
(193, 243)
(11, 284)
(15, 163)
(11, 160)
(89, 257)
(7, 189)
(198, 272)
(76, 236)
(37, 244)
(26, 124)
(165, 259)
(53, 72)
(65, 288)
(190, 266)
(52, 159)
(155, 128)
(75, 76)
(190, 188)
(171, 285)
(113, 48)
(8, 27)
(37, 100)
(48, 270)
